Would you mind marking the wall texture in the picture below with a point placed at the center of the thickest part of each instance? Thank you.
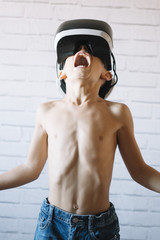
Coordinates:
(27, 78)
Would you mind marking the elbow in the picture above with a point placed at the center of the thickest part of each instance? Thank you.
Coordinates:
(141, 175)
(35, 176)
(32, 173)
(138, 175)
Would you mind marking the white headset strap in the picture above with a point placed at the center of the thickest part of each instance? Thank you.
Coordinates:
(83, 31)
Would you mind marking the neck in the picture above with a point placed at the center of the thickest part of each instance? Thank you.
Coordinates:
(79, 93)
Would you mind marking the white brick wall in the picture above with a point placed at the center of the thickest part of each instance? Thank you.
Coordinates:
(27, 78)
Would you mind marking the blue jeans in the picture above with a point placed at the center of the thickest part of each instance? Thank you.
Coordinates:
(56, 224)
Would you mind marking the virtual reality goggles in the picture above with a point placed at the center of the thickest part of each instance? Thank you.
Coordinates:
(96, 36)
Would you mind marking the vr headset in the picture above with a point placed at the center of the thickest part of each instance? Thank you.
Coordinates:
(96, 36)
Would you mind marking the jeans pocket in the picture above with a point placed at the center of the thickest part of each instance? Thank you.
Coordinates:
(116, 237)
(104, 237)
(43, 220)
(107, 231)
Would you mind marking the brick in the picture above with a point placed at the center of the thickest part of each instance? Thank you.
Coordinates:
(27, 133)
(8, 225)
(13, 149)
(19, 211)
(11, 196)
(156, 111)
(120, 63)
(11, 9)
(16, 73)
(147, 126)
(147, 4)
(10, 134)
(17, 119)
(154, 205)
(14, 236)
(7, 162)
(63, 2)
(40, 43)
(155, 216)
(129, 187)
(12, 57)
(154, 141)
(143, 64)
(136, 17)
(121, 32)
(134, 219)
(28, 226)
(14, 26)
(136, 48)
(33, 103)
(141, 110)
(63, 13)
(133, 233)
(118, 94)
(136, 79)
(12, 104)
(142, 141)
(29, 58)
(39, 11)
(29, 196)
(41, 74)
(145, 95)
(152, 156)
(153, 233)
(130, 203)
(13, 43)
(145, 33)
(103, 3)
(41, 27)
(52, 91)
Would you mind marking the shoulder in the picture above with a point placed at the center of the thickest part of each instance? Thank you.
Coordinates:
(122, 112)
(45, 107)
(43, 110)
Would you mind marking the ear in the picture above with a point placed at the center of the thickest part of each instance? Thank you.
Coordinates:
(62, 75)
(107, 76)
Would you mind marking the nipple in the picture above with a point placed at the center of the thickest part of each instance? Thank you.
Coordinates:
(75, 206)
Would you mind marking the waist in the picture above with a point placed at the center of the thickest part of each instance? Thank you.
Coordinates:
(101, 218)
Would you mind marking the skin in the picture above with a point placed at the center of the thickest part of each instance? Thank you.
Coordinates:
(79, 135)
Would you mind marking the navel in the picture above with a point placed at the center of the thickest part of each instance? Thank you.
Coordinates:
(75, 206)
(100, 138)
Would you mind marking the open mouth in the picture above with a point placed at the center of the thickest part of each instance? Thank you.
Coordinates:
(82, 59)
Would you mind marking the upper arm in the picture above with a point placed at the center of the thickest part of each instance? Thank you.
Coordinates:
(128, 146)
(37, 154)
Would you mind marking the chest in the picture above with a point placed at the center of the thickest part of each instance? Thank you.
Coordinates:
(93, 124)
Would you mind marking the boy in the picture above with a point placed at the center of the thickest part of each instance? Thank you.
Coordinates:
(79, 135)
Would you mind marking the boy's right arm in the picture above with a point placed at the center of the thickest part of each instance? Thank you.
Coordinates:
(35, 162)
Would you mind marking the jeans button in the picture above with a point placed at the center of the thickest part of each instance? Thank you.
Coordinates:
(75, 220)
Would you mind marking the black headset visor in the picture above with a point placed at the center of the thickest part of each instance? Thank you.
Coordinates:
(97, 46)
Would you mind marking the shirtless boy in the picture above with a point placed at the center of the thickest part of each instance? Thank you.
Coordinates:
(79, 135)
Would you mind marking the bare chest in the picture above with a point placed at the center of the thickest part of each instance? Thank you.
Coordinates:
(86, 129)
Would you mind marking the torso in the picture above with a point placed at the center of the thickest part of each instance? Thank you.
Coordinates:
(81, 145)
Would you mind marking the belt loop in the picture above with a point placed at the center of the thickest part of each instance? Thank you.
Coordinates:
(90, 223)
(51, 213)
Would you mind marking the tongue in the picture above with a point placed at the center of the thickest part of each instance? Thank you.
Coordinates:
(81, 61)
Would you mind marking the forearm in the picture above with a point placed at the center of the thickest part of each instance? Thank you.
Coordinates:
(149, 178)
(18, 176)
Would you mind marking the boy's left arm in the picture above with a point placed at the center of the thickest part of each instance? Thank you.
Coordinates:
(138, 169)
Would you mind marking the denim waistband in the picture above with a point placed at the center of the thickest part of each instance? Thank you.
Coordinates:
(98, 219)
